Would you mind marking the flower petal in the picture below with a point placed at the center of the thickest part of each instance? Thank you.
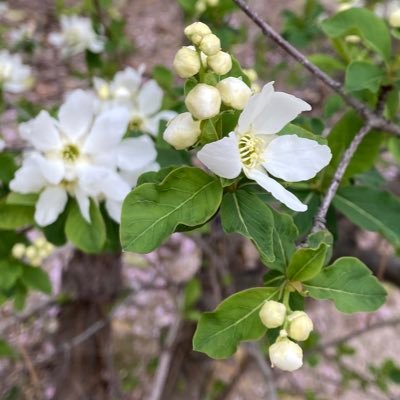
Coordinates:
(150, 98)
(28, 179)
(76, 114)
(83, 203)
(128, 79)
(114, 209)
(136, 153)
(152, 124)
(295, 159)
(277, 190)
(53, 170)
(114, 187)
(222, 157)
(131, 177)
(108, 130)
(41, 132)
(50, 205)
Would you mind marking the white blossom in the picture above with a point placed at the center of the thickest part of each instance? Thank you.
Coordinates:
(203, 101)
(15, 77)
(182, 131)
(76, 36)
(196, 31)
(234, 92)
(286, 355)
(81, 154)
(272, 314)
(220, 63)
(255, 149)
(187, 62)
(300, 326)
(210, 44)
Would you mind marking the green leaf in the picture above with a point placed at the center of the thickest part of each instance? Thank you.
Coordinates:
(15, 216)
(327, 63)
(291, 129)
(363, 75)
(155, 176)
(238, 72)
(315, 239)
(29, 199)
(349, 284)
(364, 23)
(7, 167)
(245, 213)
(6, 351)
(88, 237)
(371, 209)
(163, 76)
(152, 212)
(36, 278)
(236, 319)
(208, 132)
(10, 271)
(306, 263)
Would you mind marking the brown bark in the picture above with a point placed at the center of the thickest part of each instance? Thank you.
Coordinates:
(85, 370)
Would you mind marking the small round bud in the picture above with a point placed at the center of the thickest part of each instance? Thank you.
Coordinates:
(394, 19)
(220, 63)
(31, 252)
(234, 92)
(251, 73)
(300, 326)
(18, 250)
(203, 101)
(40, 242)
(272, 314)
(212, 3)
(352, 39)
(196, 31)
(182, 131)
(344, 7)
(286, 355)
(186, 62)
(210, 44)
(36, 261)
(200, 6)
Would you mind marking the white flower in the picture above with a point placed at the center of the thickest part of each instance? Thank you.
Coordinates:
(286, 355)
(196, 31)
(210, 44)
(234, 92)
(182, 131)
(203, 101)
(255, 148)
(76, 36)
(83, 155)
(220, 63)
(23, 32)
(187, 62)
(394, 18)
(300, 326)
(15, 77)
(272, 314)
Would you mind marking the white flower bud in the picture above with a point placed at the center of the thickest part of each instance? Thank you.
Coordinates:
(394, 19)
(31, 252)
(40, 242)
(220, 63)
(182, 131)
(203, 101)
(272, 314)
(200, 6)
(196, 31)
(186, 62)
(300, 326)
(286, 355)
(18, 250)
(36, 261)
(251, 73)
(352, 39)
(234, 92)
(212, 3)
(210, 44)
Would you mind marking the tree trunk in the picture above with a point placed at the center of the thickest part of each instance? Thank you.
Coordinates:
(84, 370)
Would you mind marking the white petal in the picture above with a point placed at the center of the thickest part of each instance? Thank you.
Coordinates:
(152, 124)
(128, 79)
(41, 132)
(294, 159)
(96, 45)
(50, 205)
(83, 203)
(136, 153)
(114, 209)
(279, 109)
(91, 178)
(28, 179)
(52, 170)
(150, 98)
(131, 177)
(108, 130)
(277, 190)
(222, 157)
(255, 107)
(76, 114)
(114, 187)
(56, 39)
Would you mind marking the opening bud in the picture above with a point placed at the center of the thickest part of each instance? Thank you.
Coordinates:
(18, 250)
(182, 131)
(186, 62)
(196, 31)
(203, 101)
(286, 355)
(272, 314)
(234, 92)
(300, 326)
(220, 63)
(210, 44)
(394, 19)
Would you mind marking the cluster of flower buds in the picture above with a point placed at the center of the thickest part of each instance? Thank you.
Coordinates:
(35, 253)
(284, 353)
(204, 100)
(202, 5)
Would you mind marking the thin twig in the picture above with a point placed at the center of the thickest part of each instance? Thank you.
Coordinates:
(375, 120)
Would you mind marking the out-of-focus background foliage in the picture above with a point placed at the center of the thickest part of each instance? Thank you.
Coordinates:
(162, 290)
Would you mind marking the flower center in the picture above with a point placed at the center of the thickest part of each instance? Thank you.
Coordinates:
(70, 153)
(136, 124)
(251, 150)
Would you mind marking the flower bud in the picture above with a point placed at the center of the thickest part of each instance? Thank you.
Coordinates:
(352, 39)
(394, 19)
(31, 252)
(272, 314)
(18, 250)
(186, 62)
(300, 326)
(182, 131)
(212, 3)
(200, 6)
(203, 101)
(220, 63)
(234, 92)
(210, 44)
(196, 31)
(286, 355)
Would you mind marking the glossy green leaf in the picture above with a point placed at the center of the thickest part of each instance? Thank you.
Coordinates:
(327, 63)
(7, 167)
(363, 75)
(349, 284)
(15, 216)
(36, 278)
(236, 319)
(10, 271)
(151, 212)
(29, 199)
(245, 213)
